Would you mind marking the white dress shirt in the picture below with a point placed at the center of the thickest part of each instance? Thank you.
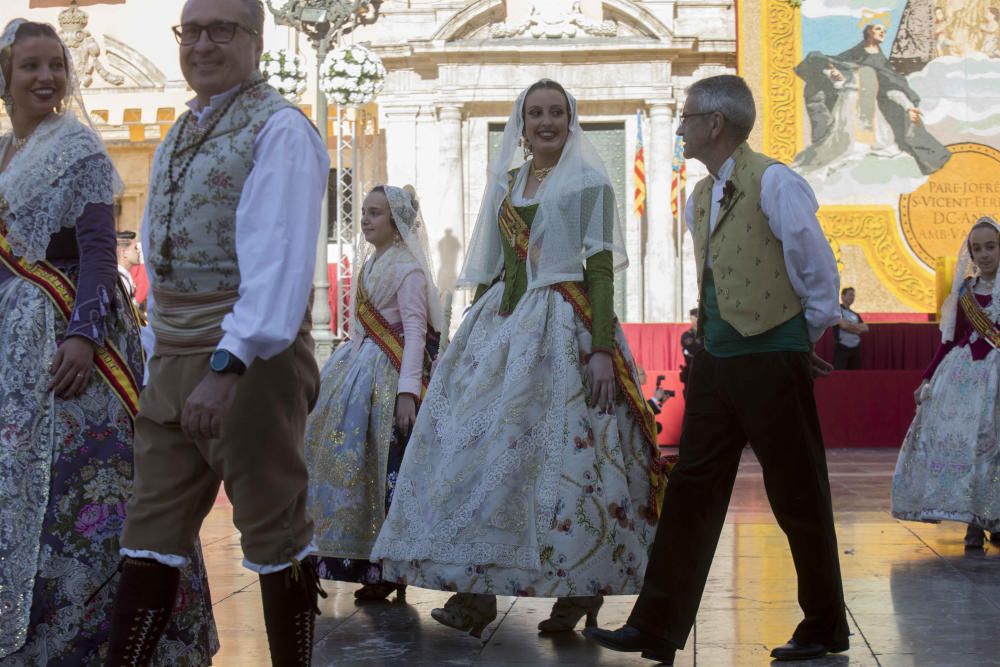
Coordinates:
(277, 228)
(790, 207)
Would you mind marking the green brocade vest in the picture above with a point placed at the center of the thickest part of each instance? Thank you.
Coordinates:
(598, 278)
(748, 279)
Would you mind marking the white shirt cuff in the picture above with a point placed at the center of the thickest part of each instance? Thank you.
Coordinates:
(237, 348)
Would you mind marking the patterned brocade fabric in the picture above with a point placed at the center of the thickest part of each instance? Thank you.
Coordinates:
(65, 476)
(513, 483)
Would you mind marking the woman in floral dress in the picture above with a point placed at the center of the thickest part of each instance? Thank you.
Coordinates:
(532, 469)
(69, 361)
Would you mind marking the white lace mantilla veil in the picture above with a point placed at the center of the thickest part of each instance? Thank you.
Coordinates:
(964, 268)
(405, 209)
(62, 168)
(570, 224)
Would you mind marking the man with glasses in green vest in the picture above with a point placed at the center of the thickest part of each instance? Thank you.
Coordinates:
(768, 288)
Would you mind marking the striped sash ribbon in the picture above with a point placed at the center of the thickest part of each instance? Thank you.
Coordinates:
(389, 337)
(978, 318)
(110, 363)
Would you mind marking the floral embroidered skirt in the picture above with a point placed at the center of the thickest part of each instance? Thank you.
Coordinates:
(513, 483)
(65, 476)
(353, 453)
(949, 466)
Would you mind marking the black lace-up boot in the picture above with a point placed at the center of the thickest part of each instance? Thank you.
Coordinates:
(290, 612)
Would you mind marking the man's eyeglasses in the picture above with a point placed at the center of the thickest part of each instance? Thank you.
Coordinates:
(685, 116)
(220, 32)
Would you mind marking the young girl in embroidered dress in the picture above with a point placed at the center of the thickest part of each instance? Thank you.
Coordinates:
(950, 460)
(370, 390)
(532, 469)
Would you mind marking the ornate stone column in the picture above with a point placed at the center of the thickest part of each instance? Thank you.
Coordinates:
(449, 242)
(401, 143)
(660, 259)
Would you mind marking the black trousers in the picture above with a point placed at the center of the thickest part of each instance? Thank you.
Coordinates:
(847, 358)
(766, 400)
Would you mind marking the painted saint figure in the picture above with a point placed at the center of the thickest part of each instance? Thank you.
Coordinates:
(858, 104)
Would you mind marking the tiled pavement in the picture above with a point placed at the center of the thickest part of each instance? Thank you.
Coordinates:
(914, 596)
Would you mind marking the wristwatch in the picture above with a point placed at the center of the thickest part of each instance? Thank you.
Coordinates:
(224, 361)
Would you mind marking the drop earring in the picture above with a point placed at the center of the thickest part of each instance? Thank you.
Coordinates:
(526, 148)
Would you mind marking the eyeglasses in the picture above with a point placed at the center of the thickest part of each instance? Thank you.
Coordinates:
(685, 116)
(220, 32)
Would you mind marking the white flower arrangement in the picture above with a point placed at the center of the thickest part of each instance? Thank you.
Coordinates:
(352, 76)
(284, 71)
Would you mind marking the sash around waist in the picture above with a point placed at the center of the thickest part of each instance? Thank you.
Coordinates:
(187, 323)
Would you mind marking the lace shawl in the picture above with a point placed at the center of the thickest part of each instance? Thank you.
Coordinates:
(62, 168)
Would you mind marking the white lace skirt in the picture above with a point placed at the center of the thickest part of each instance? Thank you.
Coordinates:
(512, 483)
(949, 466)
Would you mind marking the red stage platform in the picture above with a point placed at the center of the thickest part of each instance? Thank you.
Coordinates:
(867, 408)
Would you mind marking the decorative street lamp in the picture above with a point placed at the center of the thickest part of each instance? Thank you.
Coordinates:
(324, 22)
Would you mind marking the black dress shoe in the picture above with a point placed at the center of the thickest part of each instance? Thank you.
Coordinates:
(797, 650)
(633, 640)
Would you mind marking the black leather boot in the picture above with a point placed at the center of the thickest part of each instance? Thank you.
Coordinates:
(290, 612)
(146, 595)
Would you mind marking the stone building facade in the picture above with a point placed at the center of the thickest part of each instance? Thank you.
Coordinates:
(454, 69)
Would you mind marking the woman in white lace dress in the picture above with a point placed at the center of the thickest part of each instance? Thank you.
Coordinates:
(532, 469)
(950, 460)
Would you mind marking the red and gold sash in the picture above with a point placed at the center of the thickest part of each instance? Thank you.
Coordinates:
(978, 318)
(390, 339)
(517, 233)
(110, 363)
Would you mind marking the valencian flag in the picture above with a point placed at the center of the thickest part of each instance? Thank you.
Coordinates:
(679, 178)
(639, 169)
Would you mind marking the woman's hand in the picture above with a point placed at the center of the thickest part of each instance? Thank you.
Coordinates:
(406, 413)
(601, 376)
(71, 367)
(918, 394)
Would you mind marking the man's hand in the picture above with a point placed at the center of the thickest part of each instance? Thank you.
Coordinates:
(71, 367)
(818, 366)
(916, 116)
(406, 413)
(208, 405)
(601, 377)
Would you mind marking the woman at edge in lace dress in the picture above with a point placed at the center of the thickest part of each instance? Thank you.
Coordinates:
(532, 469)
(950, 459)
(370, 389)
(69, 361)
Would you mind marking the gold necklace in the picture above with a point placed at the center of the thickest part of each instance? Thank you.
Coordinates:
(19, 142)
(541, 173)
